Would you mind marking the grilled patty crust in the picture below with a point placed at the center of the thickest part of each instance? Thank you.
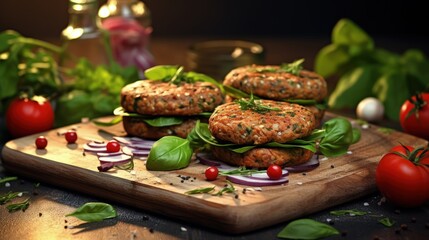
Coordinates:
(262, 81)
(151, 97)
(230, 123)
(263, 157)
(135, 126)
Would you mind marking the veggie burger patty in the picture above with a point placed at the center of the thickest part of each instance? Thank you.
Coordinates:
(230, 123)
(287, 122)
(266, 82)
(153, 98)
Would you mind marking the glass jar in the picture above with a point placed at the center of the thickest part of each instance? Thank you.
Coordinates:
(128, 23)
(82, 38)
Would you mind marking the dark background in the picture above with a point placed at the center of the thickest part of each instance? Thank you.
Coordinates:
(229, 18)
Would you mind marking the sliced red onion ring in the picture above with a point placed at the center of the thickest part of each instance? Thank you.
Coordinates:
(131, 140)
(265, 176)
(117, 159)
(95, 144)
(135, 152)
(255, 182)
(141, 145)
(108, 154)
(207, 159)
(310, 165)
(90, 149)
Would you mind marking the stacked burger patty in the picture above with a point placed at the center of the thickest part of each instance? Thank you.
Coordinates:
(280, 122)
(154, 98)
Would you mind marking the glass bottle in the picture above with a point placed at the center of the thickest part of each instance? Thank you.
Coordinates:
(129, 24)
(82, 38)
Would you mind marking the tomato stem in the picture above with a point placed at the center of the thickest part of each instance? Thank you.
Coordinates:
(418, 102)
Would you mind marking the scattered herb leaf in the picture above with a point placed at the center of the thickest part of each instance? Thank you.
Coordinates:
(255, 106)
(387, 222)
(19, 206)
(307, 229)
(201, 190)
(348, 212)
(294, 67)
(239, 171)
(229, 188)
(7, 197)
(7, 179)
(385, 130)
(94, 212)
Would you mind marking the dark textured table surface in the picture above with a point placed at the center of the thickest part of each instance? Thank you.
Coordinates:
(45, 217)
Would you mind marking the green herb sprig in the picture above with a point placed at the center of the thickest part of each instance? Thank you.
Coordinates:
(19, 206)
(240, 171)
(255, 106)
(176, 74)
(7, 197)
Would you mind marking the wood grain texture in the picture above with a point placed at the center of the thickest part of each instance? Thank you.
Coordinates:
(335, 181)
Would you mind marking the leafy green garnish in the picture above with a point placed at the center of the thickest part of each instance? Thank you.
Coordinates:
(367, 71)
(307, 229)
(7, 197)
(7, 179)
(334, 138)
(294, 67)
(169, 153)
(19, 206)
(387, 222)
(351, 212)
(94, 212)
(239, 171)
(176, 74)
(255, 106)
(228, 188)
(201, 190)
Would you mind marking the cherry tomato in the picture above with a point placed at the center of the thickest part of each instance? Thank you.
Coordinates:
(274, 172)
(211, 173)
(403, 178)
(41, 142)
(71, 136)
(113, 146)
(28, 116)
(414, 116)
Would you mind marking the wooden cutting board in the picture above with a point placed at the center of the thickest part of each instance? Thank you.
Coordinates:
(335, 181)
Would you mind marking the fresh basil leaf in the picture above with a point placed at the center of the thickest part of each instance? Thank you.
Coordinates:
(241, 149)
(330, 59)
(77, 102)
(338, 137)
(356, 135)
(169, 153)
(346, 32)
(201, 77)
(352, 87)
(203, 132)
(307, 229)
(94, 212)
(309, 146)
(392, 90)
(5, 38)
(10, 78)
(161, 72)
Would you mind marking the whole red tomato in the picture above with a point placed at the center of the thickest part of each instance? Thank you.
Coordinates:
(402, 176)
(414, 115)
(28, 116)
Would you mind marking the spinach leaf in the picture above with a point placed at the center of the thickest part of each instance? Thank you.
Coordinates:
(348, 33)
(160, 72)
(307, 229)
(352, 87)
(392, 90)
(169, 153)
(94, 212)
(338, 137)
(163, 121)
(330, 59)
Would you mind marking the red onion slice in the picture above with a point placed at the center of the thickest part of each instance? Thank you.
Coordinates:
(90, 149)
(117, 159)
(108, 154)
(207, 159)
(308, 166)
(95, 144)
(135, 152)
(141, 145)
(255, 182)
(265, 176)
